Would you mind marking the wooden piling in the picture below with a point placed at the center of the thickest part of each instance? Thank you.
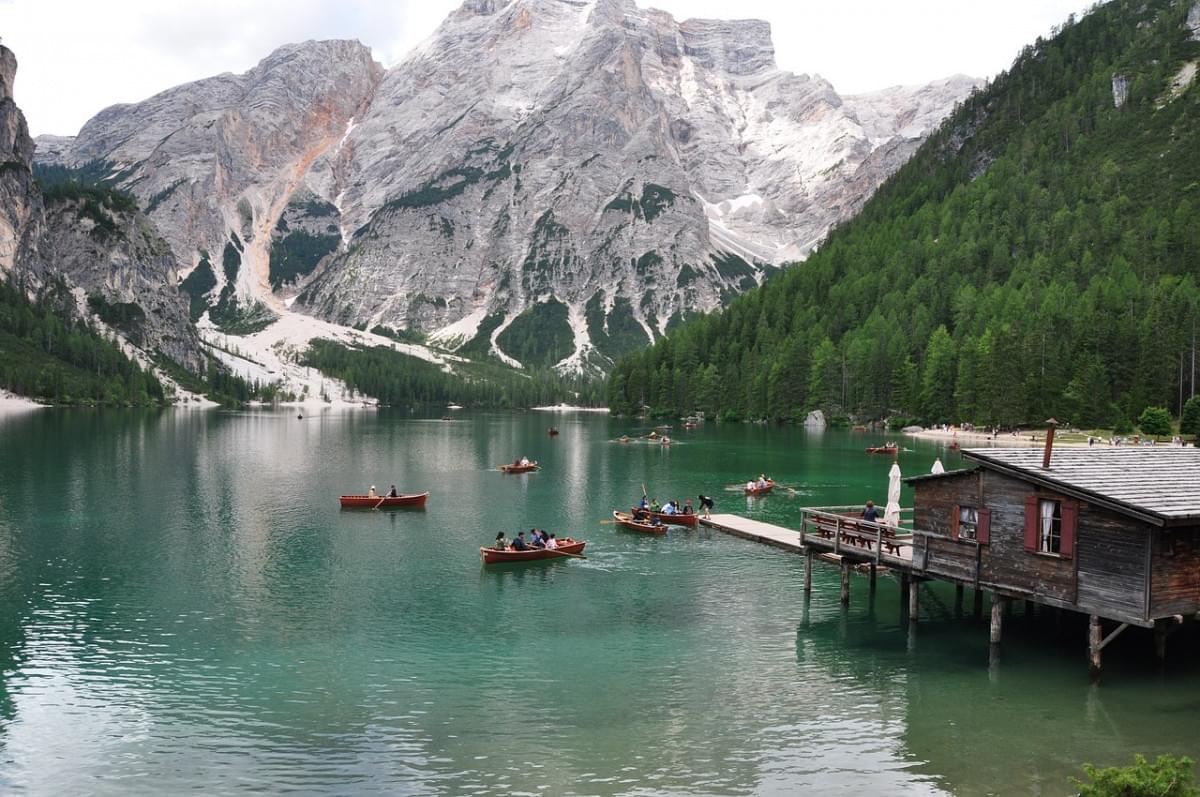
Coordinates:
(808, 568)
(1160, 640)
(1095, 643)
(914, 598)
(958, 600)
(872, 582)
(977, 604)
(845, 582)
(998, 605)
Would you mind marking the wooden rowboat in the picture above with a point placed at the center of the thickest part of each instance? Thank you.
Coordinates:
(532, 466)
(491, 556)
(552, 431)
(627, 521)
(674, 520)
(383, 501)
(760, 490)
(882, 449)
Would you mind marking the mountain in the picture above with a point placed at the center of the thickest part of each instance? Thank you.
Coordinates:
(93, 241)
(550, 182)
(1038, 257)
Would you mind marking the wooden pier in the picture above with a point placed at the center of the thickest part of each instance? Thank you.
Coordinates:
(1112, 535)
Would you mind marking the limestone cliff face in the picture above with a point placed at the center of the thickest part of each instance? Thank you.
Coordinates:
(222, 157)
(19, 203)
(109, 255)
(586, 169)
(611, 159)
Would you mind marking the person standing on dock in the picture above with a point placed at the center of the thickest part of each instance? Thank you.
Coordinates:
(706, 505)
(870, 514)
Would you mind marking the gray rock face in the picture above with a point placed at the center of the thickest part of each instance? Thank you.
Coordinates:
(114, 256)
(530, 156)
(627, 165)
(223, 156)
(19, 203)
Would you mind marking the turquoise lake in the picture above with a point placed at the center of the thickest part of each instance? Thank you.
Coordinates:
(185, 608)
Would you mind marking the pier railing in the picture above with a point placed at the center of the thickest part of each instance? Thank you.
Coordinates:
(841, 530)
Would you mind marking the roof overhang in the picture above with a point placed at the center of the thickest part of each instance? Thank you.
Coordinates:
(1045, 480)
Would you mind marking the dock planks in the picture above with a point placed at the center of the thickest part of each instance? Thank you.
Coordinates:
(789, 540)
(755, 530)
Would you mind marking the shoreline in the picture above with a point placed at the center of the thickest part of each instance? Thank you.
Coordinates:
(568, 408)
(11, 402)
(1026, 439)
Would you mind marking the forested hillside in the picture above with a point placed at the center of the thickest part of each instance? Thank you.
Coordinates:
(1038, 257)
(65, 362)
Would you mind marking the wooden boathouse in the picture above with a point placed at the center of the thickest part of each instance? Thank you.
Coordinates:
(1111, 533)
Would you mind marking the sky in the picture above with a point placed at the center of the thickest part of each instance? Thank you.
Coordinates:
(77, 57)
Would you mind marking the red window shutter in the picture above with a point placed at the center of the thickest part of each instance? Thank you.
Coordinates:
(955, 511)
(1031, 522)
(1070, 523)
(983, 531)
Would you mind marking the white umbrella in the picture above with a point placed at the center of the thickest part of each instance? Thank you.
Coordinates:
(937, 466)
(891, 515)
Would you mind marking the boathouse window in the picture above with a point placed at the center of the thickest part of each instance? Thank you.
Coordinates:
(970, 523)
(1050, 525)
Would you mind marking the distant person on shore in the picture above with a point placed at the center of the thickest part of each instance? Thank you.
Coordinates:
(870, 514)
(706, 505)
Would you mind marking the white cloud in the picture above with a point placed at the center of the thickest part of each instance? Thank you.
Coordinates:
(79, 56)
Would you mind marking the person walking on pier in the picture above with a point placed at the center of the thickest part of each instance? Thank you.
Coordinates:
(870, 514)
(706, 505)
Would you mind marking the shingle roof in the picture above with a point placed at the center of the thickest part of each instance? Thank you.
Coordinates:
(1154, 482)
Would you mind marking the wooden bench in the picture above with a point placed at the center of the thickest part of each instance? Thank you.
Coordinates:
(856, 533)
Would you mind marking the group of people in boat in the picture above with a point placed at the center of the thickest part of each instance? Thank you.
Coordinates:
(762, 483)
(538, 538)
(647, 508)
(521, 462)
(390, 493)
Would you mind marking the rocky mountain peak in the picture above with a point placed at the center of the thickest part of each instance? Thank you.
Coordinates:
(737, 48)
(548, 181)
(8, 72)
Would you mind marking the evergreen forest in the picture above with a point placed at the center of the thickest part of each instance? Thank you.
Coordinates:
(1038, 257)
(399, 379)
(65, 362)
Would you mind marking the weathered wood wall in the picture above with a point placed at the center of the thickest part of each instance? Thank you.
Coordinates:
(1106, 576)
(1175, 573)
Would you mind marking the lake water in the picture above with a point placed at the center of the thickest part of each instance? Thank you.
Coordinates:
(185, 608)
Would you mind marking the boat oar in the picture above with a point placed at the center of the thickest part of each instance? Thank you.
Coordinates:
(381, 500)
(576, 555)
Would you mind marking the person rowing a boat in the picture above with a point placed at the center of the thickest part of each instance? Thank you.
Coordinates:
(518, 543)
(392, 492)
(643, 504)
